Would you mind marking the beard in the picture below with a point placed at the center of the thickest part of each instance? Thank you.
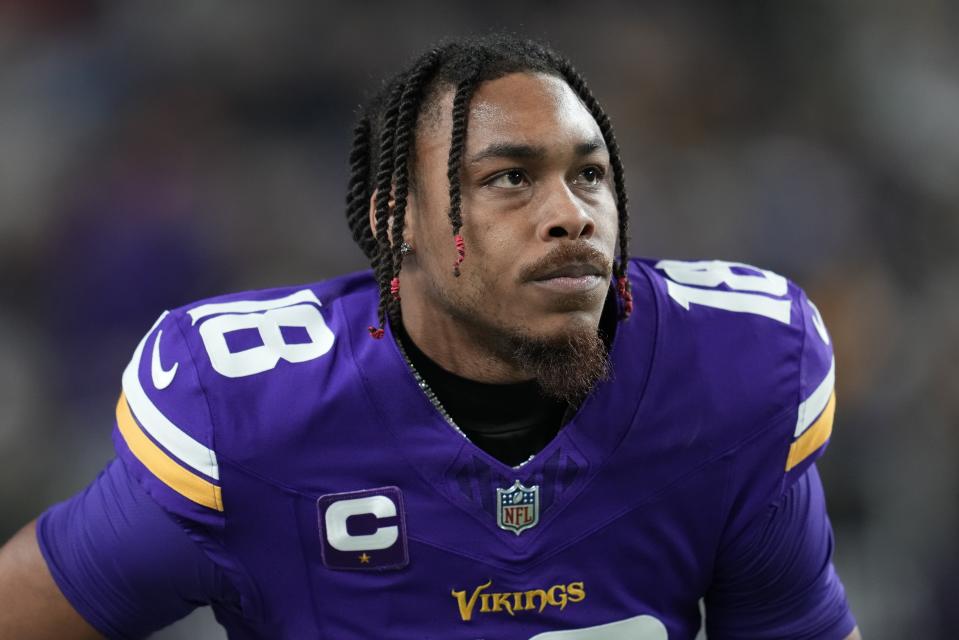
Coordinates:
(565, 367)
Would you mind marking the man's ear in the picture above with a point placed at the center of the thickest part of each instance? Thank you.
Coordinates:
(373, 214)
(408, 222)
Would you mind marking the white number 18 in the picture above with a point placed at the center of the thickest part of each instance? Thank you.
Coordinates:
(750, 293)
(267, 318)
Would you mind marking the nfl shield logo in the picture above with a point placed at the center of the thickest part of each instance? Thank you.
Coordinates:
(517, 508)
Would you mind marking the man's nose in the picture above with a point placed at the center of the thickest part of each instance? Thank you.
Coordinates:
(564, 216)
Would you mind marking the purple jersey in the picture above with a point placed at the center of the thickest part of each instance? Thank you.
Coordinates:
(308, 463)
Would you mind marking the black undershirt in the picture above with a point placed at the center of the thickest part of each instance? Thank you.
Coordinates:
(511, 422)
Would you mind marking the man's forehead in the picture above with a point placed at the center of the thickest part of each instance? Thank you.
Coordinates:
(518, 104)
(506, 99)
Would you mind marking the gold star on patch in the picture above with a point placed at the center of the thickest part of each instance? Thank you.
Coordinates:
(364, 558)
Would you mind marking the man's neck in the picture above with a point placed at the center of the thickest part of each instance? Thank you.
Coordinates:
(511, 422)
(464, 352)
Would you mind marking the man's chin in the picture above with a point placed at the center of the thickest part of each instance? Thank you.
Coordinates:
(562, 350)
(573, 303)
(566, 364)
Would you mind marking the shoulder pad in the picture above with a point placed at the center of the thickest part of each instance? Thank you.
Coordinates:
(163, 429)
(817, 396)
(762, 348)
(208, 371)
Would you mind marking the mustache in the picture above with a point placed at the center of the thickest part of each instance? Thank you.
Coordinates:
(565, 255)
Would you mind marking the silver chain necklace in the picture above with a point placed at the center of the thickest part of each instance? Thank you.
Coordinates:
(431, 396)
(427, 390)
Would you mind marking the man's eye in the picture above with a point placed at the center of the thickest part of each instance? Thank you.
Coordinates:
(590, 176)
(509, 179)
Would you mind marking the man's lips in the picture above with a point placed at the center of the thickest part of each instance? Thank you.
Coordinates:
(578, 277)
(568, 269)
(573, 270)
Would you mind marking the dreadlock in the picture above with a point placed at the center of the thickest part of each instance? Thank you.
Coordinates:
(383, 144)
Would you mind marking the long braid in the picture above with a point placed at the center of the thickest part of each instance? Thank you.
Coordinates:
(382, 264)
(358, 189)
(407, 114)
(579, 86)
(464, 91)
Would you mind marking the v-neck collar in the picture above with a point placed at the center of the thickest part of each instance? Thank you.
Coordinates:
(435, 448)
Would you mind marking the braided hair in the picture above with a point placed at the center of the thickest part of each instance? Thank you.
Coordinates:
(383, 144)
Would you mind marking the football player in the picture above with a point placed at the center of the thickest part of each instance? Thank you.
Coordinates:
(508, 429)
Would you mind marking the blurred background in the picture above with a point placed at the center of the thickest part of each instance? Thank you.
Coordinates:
(155, 153)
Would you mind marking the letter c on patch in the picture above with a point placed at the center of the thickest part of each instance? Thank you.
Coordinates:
(339, 512)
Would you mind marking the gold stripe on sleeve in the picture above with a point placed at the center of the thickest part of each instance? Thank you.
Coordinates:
(187, 484)
(814, 437)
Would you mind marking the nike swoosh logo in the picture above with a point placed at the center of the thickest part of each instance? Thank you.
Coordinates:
(161, 377)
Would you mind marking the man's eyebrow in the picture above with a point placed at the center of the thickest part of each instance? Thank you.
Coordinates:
(507, 150)
(530, 152)
(594, 144)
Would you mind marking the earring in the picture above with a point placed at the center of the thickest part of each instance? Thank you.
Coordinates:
(406, 249)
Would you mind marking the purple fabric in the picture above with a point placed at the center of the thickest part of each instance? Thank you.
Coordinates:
(777, 579)
(122, 562)
(667, 484)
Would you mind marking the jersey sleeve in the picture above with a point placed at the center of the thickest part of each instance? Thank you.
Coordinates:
(816, 396)
(777, 579)
(123, 563)
(774, 576)
(129, 551)
(163, 431)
